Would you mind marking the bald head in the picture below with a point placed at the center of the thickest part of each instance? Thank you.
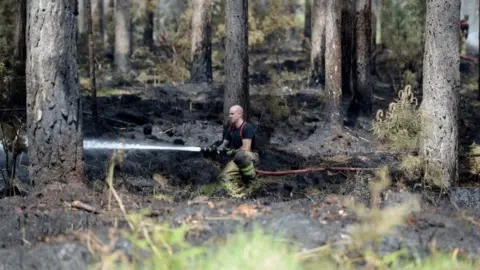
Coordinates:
(235, 114)
(236, 109)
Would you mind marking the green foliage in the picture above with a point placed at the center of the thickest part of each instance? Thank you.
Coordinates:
(474, 161)
(252, 250)
(7, 20)
(270, 26)
(400, 126)
(5, 73)
(402, 32)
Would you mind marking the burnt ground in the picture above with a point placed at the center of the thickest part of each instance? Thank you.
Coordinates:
(40, 231)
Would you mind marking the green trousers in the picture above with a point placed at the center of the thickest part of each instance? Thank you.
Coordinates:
(239, 172)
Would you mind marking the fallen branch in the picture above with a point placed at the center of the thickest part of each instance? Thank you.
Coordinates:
(320, 169)
(117, 121)
(83, 206)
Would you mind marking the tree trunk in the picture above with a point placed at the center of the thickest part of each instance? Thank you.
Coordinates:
(348, 25)
(201, 54)
(361, 66)
(20, 54)
(317, 54)
(122, 36)
(107, 21)
(333, 62)
(148, 30)
(236, 56)
(82, 17)
(307, 30)
(54, 112)
(441, 83)
(98, 20)
(91, 60)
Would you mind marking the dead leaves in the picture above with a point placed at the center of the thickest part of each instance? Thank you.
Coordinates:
(246, 210)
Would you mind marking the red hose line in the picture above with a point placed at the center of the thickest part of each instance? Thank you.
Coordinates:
(306, 170)
(464, 57)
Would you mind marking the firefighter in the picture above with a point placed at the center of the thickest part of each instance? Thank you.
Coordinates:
(239, 143)
(464, 26)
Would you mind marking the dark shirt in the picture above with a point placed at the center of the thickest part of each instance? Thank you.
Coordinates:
(234, 138)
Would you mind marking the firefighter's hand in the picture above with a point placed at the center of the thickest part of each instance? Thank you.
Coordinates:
(231, 152)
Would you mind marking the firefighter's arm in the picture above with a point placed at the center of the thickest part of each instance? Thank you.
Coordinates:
(246, 145)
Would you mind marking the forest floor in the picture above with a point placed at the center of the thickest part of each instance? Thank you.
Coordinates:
(43, 230)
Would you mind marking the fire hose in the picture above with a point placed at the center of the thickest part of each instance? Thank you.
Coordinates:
(212, 151)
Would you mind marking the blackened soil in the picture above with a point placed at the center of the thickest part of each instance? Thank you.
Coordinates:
(41, 230)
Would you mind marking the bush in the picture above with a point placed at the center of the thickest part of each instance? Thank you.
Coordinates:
(400, 126)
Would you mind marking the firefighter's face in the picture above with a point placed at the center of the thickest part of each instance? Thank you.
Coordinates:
(234, 115)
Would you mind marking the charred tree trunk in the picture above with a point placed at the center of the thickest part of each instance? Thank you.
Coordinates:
(361, 66)
(441, 83)
(54, 112)
(236, 56)
(201, 54)
(20, 54)
(347, 31)
(148, 31)
(333, 62)
(307, 31)
(317, 54)
(91, 60)
(122, 36)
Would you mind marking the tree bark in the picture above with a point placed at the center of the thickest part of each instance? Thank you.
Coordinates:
(20, 54)
(361, 66)
(236, 56)
(54, 112)
(317, 54)
(82, 17)
(307, 30)
(97, 20)
(122, 36)
(148, 30)
(441, 83)
(107, 21)
(333, 62)
(201, 54)
(91, 60)
(348, 26)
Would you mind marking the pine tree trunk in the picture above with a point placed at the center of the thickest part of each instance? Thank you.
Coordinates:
(317, 54)
(148, 30)
(307, 30)
(122, 36)
(98, 20)
(91, 60)
(54, 113)
(107, 21)
(361, 66)
(236, 56)
(201, 54)
(82, 17)
(348, 25)
(441, 83)
(333, 62)
(20, 54)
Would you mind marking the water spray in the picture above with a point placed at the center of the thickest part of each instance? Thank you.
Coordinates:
(112, 145)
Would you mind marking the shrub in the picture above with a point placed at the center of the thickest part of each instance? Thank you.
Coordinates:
(399, 126)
